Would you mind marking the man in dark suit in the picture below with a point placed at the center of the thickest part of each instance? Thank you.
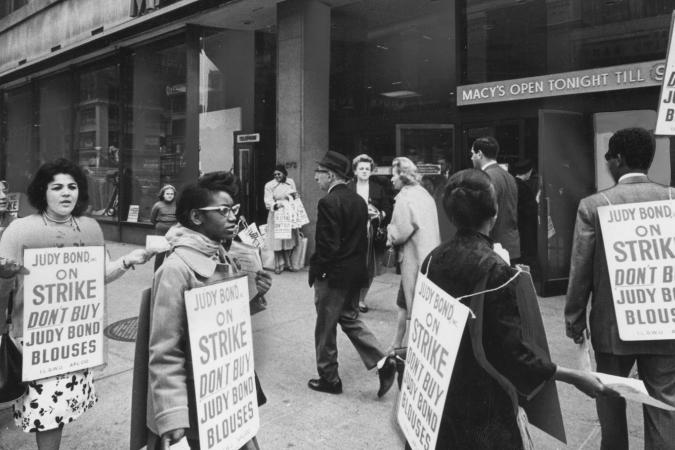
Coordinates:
(527, 212)
(484, 153)
(337, 271)
(630, 154)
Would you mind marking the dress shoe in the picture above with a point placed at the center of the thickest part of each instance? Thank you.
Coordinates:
(321, 385)
(387, 374)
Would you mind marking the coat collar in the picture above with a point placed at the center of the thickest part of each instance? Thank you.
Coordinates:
(203, 265)
(635, 177)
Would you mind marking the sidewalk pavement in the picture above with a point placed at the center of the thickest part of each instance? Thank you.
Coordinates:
(295, 416)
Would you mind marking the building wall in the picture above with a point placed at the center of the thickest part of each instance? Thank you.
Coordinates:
(31, 32)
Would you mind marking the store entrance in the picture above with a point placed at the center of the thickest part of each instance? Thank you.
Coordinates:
(566, 166)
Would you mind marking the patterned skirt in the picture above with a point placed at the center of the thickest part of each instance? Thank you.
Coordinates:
(52, 402)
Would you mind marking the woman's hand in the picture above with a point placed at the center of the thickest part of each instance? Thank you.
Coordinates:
(171, 437)
(373, 212)
(138, 256)
(10, 268)
(263, 281)
(586, 382)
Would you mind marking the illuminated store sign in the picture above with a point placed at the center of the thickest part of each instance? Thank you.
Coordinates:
(627, 76)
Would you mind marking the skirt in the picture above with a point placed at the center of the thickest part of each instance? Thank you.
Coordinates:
(52, 402)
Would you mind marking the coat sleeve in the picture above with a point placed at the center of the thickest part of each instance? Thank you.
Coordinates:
(581, 271)
(402, 224)
(167, 367)
(519, 360)
(153, 213)
(269, 196)
(327, 235)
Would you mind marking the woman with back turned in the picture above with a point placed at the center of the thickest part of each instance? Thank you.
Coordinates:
(479, 412)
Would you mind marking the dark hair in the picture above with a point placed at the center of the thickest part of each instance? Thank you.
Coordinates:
(362, 158)
(488, 145)
(37, 189)
(469, 199)
(281, 168)
(636, 145)
(521, 167)
(198, 195)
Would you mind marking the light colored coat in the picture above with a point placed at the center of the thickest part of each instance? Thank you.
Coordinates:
(414, 229)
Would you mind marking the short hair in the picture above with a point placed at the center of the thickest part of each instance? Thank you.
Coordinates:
(407, 170)
(469, 198)
(199, 195)
(488, 145)
(362, 158)
(635, 145)
(37, 189)
(281, 168)
(166, 187)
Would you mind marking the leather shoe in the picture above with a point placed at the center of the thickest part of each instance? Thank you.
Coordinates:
(387, 374)
(321, 385)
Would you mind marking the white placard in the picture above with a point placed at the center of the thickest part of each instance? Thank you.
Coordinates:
(64, 310)
(436, 328)
(221, 342)
(283, 221)
(640, 252)
(665, 121)
(133, 213)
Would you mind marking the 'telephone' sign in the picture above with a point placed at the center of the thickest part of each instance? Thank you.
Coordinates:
(628, 76)
(665, 120)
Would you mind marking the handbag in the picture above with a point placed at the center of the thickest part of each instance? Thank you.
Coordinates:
(11, 386)
(380, 237)
(299, 254)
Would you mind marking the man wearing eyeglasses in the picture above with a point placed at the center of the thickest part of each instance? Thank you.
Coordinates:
(337, 270)
(630, 154)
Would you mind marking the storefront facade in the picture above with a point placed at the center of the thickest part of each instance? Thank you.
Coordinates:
(552, 80)
(148, 92)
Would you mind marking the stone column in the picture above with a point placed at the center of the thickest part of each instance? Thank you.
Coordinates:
(303, 66)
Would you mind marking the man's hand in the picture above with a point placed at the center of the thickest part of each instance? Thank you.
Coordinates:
(171, 437)
(138, 256)
(578, 338)
(10, 268)
(263, 281)
(586, 382)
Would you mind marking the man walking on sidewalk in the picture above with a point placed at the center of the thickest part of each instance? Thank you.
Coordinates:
(630, 154)
(337, 271)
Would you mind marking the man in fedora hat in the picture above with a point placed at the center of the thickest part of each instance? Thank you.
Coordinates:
(337, 270)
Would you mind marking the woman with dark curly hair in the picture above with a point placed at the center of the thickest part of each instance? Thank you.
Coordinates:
(479, 410)
(58, 191)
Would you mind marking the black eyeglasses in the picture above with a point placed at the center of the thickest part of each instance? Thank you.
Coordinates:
(224, 210)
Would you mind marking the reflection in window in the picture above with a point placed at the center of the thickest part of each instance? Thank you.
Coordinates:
(506, 40)
(18, 104)
(55, 118)
(97, 128)
(157, 119)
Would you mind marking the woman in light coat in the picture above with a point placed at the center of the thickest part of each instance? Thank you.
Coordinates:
(413, 230)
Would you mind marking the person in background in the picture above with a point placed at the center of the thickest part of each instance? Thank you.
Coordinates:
(629, 156)
(413, 230)
(337, 271)
(5, 219)
(207, 216)
(59, 192)
(479, 412)
(484, 153)
(527, 213)
(281, 189)
(379, 215)
(163, 216)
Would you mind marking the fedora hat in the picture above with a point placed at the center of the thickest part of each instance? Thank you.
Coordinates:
(337, 162)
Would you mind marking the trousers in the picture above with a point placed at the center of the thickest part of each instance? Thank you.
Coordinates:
(340, 306)
(658, 374)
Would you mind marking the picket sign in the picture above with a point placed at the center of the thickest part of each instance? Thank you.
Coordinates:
(283, 221)
(250, 234)
(301, 217)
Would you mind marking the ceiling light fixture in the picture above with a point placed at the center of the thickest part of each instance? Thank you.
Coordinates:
(401, 94)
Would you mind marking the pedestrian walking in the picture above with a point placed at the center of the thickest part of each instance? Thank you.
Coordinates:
(379, 214)
(414, 232)
(59, 192)
(630, 154)
(497, 363)
(484, 152)
(278, 192)
(337, 271)
(207, 216)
